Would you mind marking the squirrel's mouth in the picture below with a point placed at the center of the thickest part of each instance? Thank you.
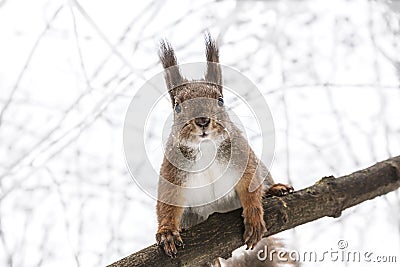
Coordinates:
(203, 135)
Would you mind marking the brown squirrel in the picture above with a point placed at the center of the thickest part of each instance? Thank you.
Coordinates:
(204, 145)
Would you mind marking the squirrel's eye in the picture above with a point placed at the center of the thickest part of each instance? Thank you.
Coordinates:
(220, 101)
(177, 108)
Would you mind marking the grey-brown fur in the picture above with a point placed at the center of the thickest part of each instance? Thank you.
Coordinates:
(199, 118)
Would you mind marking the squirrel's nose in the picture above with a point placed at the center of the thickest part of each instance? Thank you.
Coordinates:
(202, 121)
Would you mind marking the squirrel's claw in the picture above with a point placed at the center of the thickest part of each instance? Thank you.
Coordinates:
(254, 228)
(279, 190)
(167, 239)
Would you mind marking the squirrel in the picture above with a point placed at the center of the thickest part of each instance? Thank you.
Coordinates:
(204, 145)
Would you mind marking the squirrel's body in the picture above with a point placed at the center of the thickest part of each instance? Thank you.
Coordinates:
(193, 215)
(214, 191)
(208, 165)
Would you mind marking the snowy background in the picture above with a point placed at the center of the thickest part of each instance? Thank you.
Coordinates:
(329, 70)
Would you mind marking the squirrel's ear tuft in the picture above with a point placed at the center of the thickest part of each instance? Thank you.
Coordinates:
(167, 54)
(213, 73)
(173, 76)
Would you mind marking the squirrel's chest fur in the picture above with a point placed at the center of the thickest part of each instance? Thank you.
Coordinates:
(212, 188)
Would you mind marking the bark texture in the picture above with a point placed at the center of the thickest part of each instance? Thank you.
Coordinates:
(222, 233)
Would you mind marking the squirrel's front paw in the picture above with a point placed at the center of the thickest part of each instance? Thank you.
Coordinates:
(279, 190)
(254, 228)
(167, 238)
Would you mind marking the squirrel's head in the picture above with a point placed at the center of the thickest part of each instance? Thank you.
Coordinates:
(198, 105)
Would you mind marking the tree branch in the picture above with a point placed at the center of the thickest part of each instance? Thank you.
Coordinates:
(222, 233)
